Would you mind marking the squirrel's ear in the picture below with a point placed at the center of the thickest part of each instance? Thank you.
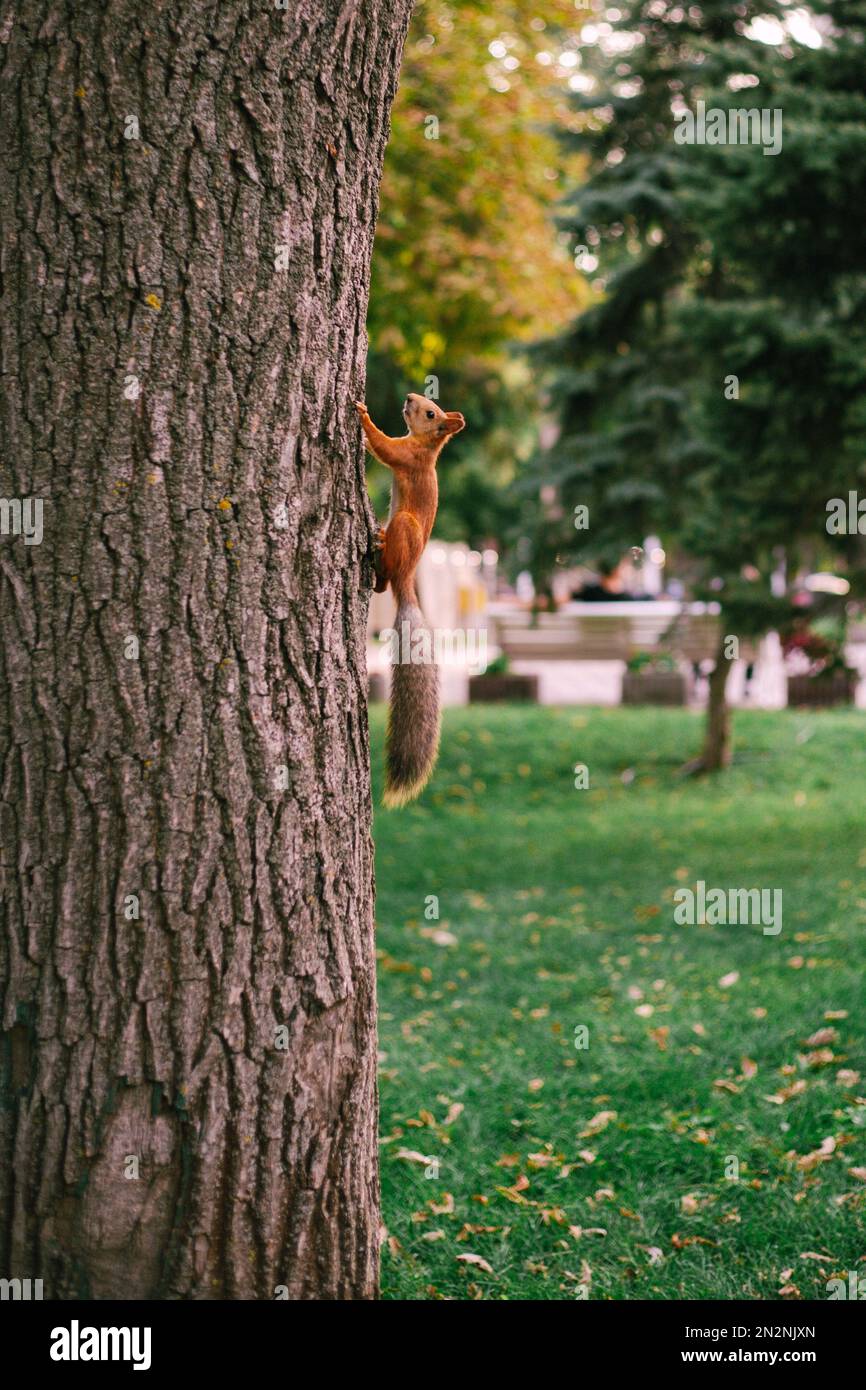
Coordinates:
(454, 422)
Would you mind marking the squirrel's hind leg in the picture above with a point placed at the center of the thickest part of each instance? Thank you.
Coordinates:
(404, 545)
(381, 581)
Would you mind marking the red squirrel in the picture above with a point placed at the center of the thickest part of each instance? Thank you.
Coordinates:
(413, 717)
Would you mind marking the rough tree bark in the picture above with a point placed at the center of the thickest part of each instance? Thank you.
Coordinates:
(188, 195)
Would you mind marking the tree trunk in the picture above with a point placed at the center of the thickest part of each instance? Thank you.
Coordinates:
(188, 198)
(716, 752)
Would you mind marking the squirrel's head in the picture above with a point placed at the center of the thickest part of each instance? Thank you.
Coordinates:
(426, 420)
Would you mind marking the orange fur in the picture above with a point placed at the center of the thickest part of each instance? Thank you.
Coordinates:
(412, 740)
(412, 459)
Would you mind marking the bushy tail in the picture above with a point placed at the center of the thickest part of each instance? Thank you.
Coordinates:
(413, 717)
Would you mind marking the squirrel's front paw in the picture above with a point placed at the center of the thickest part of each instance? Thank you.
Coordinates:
(379, 539)
(361, 408)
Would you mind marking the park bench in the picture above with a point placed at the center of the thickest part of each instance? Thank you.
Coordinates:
(606, 631)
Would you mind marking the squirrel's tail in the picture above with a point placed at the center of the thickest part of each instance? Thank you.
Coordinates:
(413, 718)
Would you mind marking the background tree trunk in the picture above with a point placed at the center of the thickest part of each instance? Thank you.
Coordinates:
(717, 737)
(184, 767)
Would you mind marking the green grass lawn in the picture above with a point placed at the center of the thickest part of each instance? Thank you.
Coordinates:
(600, 1171)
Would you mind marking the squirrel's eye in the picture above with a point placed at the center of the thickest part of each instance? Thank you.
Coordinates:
(429, 414)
